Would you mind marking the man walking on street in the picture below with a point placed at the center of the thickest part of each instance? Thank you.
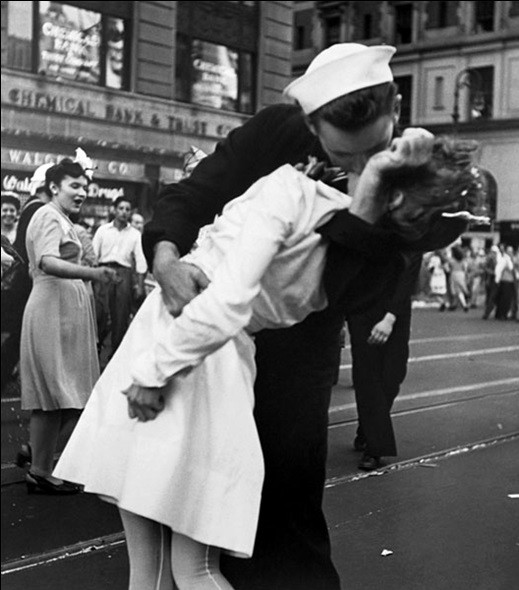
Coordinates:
(118, 245)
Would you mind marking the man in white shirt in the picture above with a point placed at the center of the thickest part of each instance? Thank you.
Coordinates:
(505, 281)
(117, 244)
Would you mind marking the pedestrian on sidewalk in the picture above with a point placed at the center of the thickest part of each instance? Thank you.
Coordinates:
(117, 245)
(475, 272)
(187, 477)
(58, 359)
(457, 279)
(492, 258)
(438, 278)
(505, 281)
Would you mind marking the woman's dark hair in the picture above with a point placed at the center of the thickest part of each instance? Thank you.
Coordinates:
(357, 109)
(457, 253)
(11, 198)
(449, 183)
(65, 167)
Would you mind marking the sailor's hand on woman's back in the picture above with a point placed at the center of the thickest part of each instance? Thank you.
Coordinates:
(180, 282)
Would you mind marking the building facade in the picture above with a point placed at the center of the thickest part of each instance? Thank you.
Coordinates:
(135, 84)
(457, 68)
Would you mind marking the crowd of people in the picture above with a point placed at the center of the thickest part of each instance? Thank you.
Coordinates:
(467, 278)
(208, 426)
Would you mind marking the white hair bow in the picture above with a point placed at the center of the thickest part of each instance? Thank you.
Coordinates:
(85, 162)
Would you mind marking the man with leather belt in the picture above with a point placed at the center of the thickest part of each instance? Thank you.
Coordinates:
(118, 245)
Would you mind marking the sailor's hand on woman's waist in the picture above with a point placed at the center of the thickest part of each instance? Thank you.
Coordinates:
(180, 282)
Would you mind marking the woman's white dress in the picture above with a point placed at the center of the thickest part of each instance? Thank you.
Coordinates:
(198, 467)
(438, 281)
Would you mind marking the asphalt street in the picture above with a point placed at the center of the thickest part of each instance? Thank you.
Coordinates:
(443, 514)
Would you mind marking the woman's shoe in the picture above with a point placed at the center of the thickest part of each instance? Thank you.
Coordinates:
(42, 485)
(24, 456)
(369, 462)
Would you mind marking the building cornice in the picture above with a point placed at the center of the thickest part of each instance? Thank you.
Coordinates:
(475, 127)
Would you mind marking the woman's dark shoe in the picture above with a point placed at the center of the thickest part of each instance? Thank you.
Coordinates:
(369, 462)
(24, 457)
(42, 485)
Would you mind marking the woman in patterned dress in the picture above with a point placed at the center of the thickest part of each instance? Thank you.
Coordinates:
(59, 364)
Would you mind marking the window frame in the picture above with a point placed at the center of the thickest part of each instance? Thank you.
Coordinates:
(405, 89)
(484, 15)
(331, 21)
(399, 24)
(35, 52)
(483, 89)
(188, 76)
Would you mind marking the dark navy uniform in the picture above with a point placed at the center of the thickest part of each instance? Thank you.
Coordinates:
(378, 370)
(296, 366)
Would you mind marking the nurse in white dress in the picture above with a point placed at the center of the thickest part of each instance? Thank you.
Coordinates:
(197, 468)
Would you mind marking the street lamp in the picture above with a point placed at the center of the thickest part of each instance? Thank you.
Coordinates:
(472, 80)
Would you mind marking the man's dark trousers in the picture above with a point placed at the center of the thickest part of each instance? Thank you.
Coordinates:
(296, 370)
(377, 373)
(113, 306)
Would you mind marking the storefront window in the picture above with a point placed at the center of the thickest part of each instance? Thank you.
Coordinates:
(71, 43)
(214, 75)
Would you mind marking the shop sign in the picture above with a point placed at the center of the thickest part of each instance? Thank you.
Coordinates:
(19, 182)
(123, 113)
(98, 191)
(109, 168)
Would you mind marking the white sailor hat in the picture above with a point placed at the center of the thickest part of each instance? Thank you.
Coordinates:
(38, 178)
(338, 70)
